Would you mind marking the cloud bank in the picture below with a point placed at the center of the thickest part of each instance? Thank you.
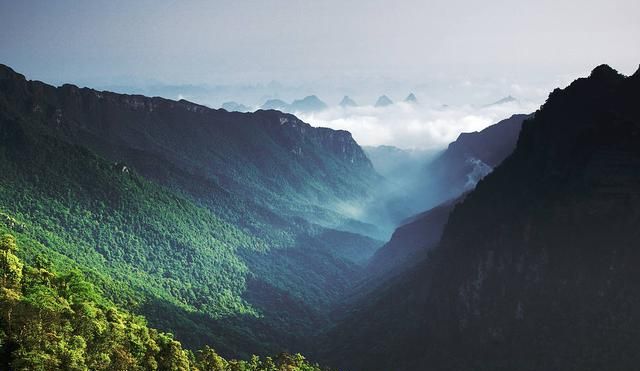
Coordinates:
(418, 126)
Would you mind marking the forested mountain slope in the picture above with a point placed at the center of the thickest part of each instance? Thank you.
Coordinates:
(268, 158)
(53, 320)
(537, 267)
(200, 219)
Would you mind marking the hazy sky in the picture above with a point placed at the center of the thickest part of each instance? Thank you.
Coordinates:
(455, 51)
(231, 41)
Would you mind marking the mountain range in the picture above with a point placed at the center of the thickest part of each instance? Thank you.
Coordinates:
(235, 107)
(307, 104)
(135, 230)
(205, 206)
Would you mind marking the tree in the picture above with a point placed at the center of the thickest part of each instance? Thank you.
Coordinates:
(11, 277)
(10, 264)
(209, 360)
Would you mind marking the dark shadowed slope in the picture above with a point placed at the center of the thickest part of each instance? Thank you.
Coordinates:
(410, 242)
(537, 268)
(472, 156)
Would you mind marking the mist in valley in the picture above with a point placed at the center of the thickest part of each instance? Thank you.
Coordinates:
(402, 140)
(363, 185)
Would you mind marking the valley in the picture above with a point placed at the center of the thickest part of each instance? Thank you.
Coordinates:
(211, 236)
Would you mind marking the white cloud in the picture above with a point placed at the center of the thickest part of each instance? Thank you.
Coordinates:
(413, 126)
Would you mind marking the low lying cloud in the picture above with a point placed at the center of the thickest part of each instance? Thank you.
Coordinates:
(407, 125)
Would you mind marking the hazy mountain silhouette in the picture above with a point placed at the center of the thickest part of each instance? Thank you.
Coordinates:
(347, 102)
(276, 104)
(310, 103)
(383, 101)
(235, 107)
(507, 99)
(411, 98)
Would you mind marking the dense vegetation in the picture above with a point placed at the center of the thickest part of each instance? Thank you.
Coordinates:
(263, 163)
(196, 256)
(53, 320)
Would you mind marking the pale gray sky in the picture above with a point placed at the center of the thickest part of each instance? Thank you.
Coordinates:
(455, 52)
(218, 41)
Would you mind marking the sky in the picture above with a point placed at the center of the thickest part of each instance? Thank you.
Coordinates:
(463, 53)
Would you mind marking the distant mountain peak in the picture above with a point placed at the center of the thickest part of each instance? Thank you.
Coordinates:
(507, 99)
(309, 103)
(312, 97)
(235, 107)
(347, 102)
(411, 98)
(276, 104)
(383, 101)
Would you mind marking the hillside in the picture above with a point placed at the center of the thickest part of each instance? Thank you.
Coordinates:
(471, 157)
(269, 158)
(410, 242)
(183, 213)
(536, 267)
(57, 320)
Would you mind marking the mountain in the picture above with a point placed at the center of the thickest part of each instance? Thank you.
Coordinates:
(507, 99)
(212, 224)
(265, 156)
(536, 268)
(307, 104)
(383, 101)
(310, 103)
(275, 104)
(347, 102)
(410, 242)
(57, 320)
(471, 157)
(411, 98)
(420, 180)
(448, 175)
(235, 107)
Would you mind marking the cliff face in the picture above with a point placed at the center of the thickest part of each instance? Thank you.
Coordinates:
(410, 242)
(263, 155)
(536, 268)
(472, 156)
